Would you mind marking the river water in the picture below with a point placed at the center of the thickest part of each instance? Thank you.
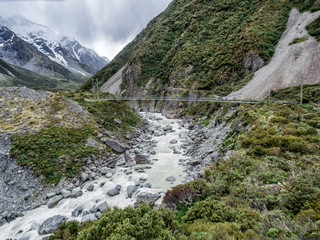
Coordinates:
(164, 163)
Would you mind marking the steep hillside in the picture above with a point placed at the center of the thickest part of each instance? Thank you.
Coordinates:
(11, 76)
(211, 46)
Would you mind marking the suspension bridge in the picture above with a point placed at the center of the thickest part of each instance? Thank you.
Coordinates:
(190, 99)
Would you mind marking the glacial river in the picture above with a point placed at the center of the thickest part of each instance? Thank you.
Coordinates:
(164, 163)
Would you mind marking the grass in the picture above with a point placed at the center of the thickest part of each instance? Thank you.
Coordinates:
(299, 40)
(105, 112)
(43, 151)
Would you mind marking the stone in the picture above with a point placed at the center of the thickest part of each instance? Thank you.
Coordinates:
(84, 177)
(77, 212)
(92, 143)
(113, 192)
(75, 192)
(131, 190)
(117, 121)
(109, 175)
(183, 134)
(94, 209)
(51, 224)
(54, 201)
(176, 151)
(130, 159)
(142, 158)
(147, 198)
(66, 193)
(98, 215)
(171, 179)
(89, 217)
(118, 187)
(116, 146)
(90, 188)
(147, 185)
(103, 206)
(167, 128)
(173, 141)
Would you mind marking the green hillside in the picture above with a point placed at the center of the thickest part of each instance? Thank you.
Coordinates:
(213, 38)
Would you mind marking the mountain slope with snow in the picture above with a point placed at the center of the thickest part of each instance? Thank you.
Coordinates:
(66, 51)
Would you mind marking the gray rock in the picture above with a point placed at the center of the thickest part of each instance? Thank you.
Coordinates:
(119, 148)
(51, 224)
(94, 209)
(65, 193)
(75, 192)
(167, 128)
(85, 213)
(173, 141)
(171, 179)
(109, 175)
(103, 206)
(54, 201)
(130, 159)
(183, 134)
(131, 190)
(113, 192)
(92, 143)
(77, 212)
(98, 215)
(90, 188)
(118, 187)
(147, 185)
(84, 177)
(147, 197)
(24, 238)
(142, 158)
(176, 151)
(89, 217)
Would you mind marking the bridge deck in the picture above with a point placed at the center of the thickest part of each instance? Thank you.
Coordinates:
(187, 99)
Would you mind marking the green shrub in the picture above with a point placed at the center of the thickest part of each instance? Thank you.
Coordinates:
(54, 152)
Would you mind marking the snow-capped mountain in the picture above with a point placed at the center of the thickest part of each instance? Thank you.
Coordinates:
(18, 52)
(64, 50)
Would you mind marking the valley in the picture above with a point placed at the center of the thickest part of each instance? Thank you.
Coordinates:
(92, 149)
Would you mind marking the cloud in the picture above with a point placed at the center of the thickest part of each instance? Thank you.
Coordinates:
(105, 25)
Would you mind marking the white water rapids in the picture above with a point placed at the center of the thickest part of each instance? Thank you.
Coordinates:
(165, 163)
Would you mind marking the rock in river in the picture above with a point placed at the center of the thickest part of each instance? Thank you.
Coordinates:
(51, 224)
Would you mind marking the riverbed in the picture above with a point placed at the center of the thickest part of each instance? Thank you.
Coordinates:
(166, 169)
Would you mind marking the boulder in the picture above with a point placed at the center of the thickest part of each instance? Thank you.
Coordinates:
(131, 190)
(94, 209)
(103, 206)
(130, 159)
(147, 198)
(173, 141)
(167, 128)
(66, 193)
(183, 134)
(171, 179)
(51, 224)
(92, 143)
(77, 212)
(90, 188)
(113, 192)
(84, 177)
(76, 192)
(89, 217)
(142, 158)
(116, 146)
(54, 201)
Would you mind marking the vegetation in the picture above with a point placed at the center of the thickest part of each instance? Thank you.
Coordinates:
(105, 112)
(298, 40)
(311, 94)
(314, 28)
(54, 152)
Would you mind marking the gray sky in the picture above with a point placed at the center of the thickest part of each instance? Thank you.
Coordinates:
(103, 25)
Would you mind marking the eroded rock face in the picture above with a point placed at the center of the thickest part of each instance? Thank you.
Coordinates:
(253, 62)
(51, 224)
